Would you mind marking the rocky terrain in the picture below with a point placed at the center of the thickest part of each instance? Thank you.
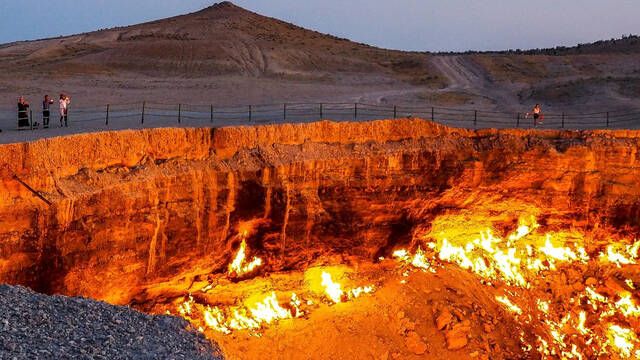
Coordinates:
(34, 326)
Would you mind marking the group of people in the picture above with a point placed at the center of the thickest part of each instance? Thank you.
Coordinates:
(65, 101)
(23, 111)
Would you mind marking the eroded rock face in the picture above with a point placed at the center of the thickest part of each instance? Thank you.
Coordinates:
(131, 209)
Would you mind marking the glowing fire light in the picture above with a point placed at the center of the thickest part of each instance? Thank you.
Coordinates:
(238, 266)
(355, 293)
(185, 308)
(266, 311)
(519, 259)
(627, 307)
(583, 320)
(511, 259)
(418, 260)
(626, 256)
(334, 291)
(543, 306)
(624, 340)
(509, 305)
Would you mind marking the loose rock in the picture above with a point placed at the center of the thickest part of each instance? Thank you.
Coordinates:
(85, 329)
(415, 344)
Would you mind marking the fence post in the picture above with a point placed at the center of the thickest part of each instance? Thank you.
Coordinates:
(144, 105)
(563, 120)
(212, 114)
(607, 119)
(179, 113)
(475, 119)
(355, 112)
(395, 111)
(106, 121)
(433, 112)
(321, 115)
(284, 112)
(250, 113)
(518, 120)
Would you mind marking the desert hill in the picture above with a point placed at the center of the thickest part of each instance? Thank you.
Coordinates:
(222, 39)
(227, 55)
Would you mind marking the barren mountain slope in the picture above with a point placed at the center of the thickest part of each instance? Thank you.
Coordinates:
(220, 40)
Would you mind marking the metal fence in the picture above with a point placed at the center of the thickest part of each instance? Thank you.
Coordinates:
(148, 114)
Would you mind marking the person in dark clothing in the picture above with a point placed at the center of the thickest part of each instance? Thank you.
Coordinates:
(23, 112)
(46, 114)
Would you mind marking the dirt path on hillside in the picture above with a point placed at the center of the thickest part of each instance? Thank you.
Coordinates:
(460, 73)
(466, 76)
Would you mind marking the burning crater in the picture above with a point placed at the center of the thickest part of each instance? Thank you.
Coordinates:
(385, 240)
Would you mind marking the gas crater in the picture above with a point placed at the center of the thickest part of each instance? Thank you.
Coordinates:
(391, 239)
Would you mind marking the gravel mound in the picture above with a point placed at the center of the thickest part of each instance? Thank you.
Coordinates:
(35, 326)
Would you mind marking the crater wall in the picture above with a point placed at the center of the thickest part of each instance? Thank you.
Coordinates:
(122, 211)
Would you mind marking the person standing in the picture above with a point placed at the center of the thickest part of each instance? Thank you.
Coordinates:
(538, 117)
(46, 113)
(23, 112)
(64, 109)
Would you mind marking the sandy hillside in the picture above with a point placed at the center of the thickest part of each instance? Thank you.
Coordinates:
(225, 55)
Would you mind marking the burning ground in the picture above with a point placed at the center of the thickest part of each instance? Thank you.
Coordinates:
(387, 239)
(528, 294)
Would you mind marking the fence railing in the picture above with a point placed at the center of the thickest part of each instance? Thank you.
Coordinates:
(150, 114)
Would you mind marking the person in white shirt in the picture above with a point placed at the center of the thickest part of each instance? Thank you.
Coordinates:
(538, 116)
(64, 109)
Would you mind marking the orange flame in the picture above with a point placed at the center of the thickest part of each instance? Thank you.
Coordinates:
(332, 289)
(334, 292)
(251, 317)
(239, 266)
(520, 258)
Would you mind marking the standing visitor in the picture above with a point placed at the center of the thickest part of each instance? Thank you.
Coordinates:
(538, 117)
(23, 112)
(46, 113)
(64, 109)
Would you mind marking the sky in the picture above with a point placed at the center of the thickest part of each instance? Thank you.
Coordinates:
(422, 25)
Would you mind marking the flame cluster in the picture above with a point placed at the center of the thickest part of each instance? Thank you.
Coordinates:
(587, 323)
(515, 259)
(260, 311)
(239, 266)
(334, 292)
(268, 309)
(251, 317)
(417, 260)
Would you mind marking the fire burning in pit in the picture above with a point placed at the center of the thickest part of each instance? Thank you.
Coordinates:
(570, 320)
(259, 311)
(262, 310)
(240, 267)
(296, 232)
(572, 297)
(251, 317)
(569, 294)
(337, 295)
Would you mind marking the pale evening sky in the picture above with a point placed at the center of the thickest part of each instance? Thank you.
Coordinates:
(429, 25)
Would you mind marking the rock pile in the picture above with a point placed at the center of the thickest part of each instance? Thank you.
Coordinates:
(34, 326)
